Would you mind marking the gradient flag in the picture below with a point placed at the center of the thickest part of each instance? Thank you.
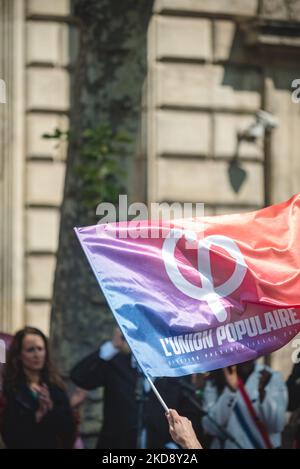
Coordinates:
(201, 294)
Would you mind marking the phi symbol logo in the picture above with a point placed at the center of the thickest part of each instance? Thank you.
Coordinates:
(207, 292)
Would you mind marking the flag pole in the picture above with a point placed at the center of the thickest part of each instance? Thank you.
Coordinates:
(157, 394)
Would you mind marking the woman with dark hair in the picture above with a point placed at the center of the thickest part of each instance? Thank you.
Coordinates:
(36, 411)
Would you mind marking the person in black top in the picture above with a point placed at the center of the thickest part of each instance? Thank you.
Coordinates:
(112, 369)
(132, 415)
(35, 413)
(293, 385)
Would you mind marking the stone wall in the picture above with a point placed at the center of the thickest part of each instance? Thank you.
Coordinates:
(211, 66)
(12, 135)
(202, 90)
(50, 37)
(37, 40)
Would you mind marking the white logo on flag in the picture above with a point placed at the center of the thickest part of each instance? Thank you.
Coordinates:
(207, 292)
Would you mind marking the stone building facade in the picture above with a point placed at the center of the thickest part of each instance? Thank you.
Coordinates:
(212, 64)
(35, 64)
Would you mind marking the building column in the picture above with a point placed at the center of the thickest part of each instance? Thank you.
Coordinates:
(11, 165)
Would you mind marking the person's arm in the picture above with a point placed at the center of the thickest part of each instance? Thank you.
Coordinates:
(77, 398)
(181, 431)
(220, 412)
(91, 372)
(60, 420)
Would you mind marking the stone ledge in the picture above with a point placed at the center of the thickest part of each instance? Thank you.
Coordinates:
(186, 38)
(46, 7)
(182, 132)
(37, 314)
(225, 7)
(211, 86)
(47, 43)
(207, 181)
(45, 183)
(272, 33)
(40, 276)
(42, 230)
(48, 88)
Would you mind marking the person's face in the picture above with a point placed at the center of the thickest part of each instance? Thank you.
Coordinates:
(33, 353)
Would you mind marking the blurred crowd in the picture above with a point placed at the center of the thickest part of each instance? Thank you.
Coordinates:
(243, 406)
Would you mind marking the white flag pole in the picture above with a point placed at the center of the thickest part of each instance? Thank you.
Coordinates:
(158, 395)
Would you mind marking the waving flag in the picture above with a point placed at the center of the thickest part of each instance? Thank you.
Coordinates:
(208, 293)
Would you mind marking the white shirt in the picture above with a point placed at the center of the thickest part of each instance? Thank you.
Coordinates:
(230, 412)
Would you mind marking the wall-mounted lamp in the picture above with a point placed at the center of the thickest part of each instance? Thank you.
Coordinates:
(256, 131)
(264, 121)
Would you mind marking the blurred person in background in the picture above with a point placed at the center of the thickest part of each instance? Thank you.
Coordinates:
(250, 403)
(244, 409)
(36, 412)
(293, 385)
(132, 415)
(5, 339)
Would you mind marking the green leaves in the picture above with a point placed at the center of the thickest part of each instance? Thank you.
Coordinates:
(101, 169)
(102, 159)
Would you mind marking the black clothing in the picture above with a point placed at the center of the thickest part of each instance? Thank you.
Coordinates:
(119, 408)
(175, 392)
(122, 384)
(20, 429)
(293, 385)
